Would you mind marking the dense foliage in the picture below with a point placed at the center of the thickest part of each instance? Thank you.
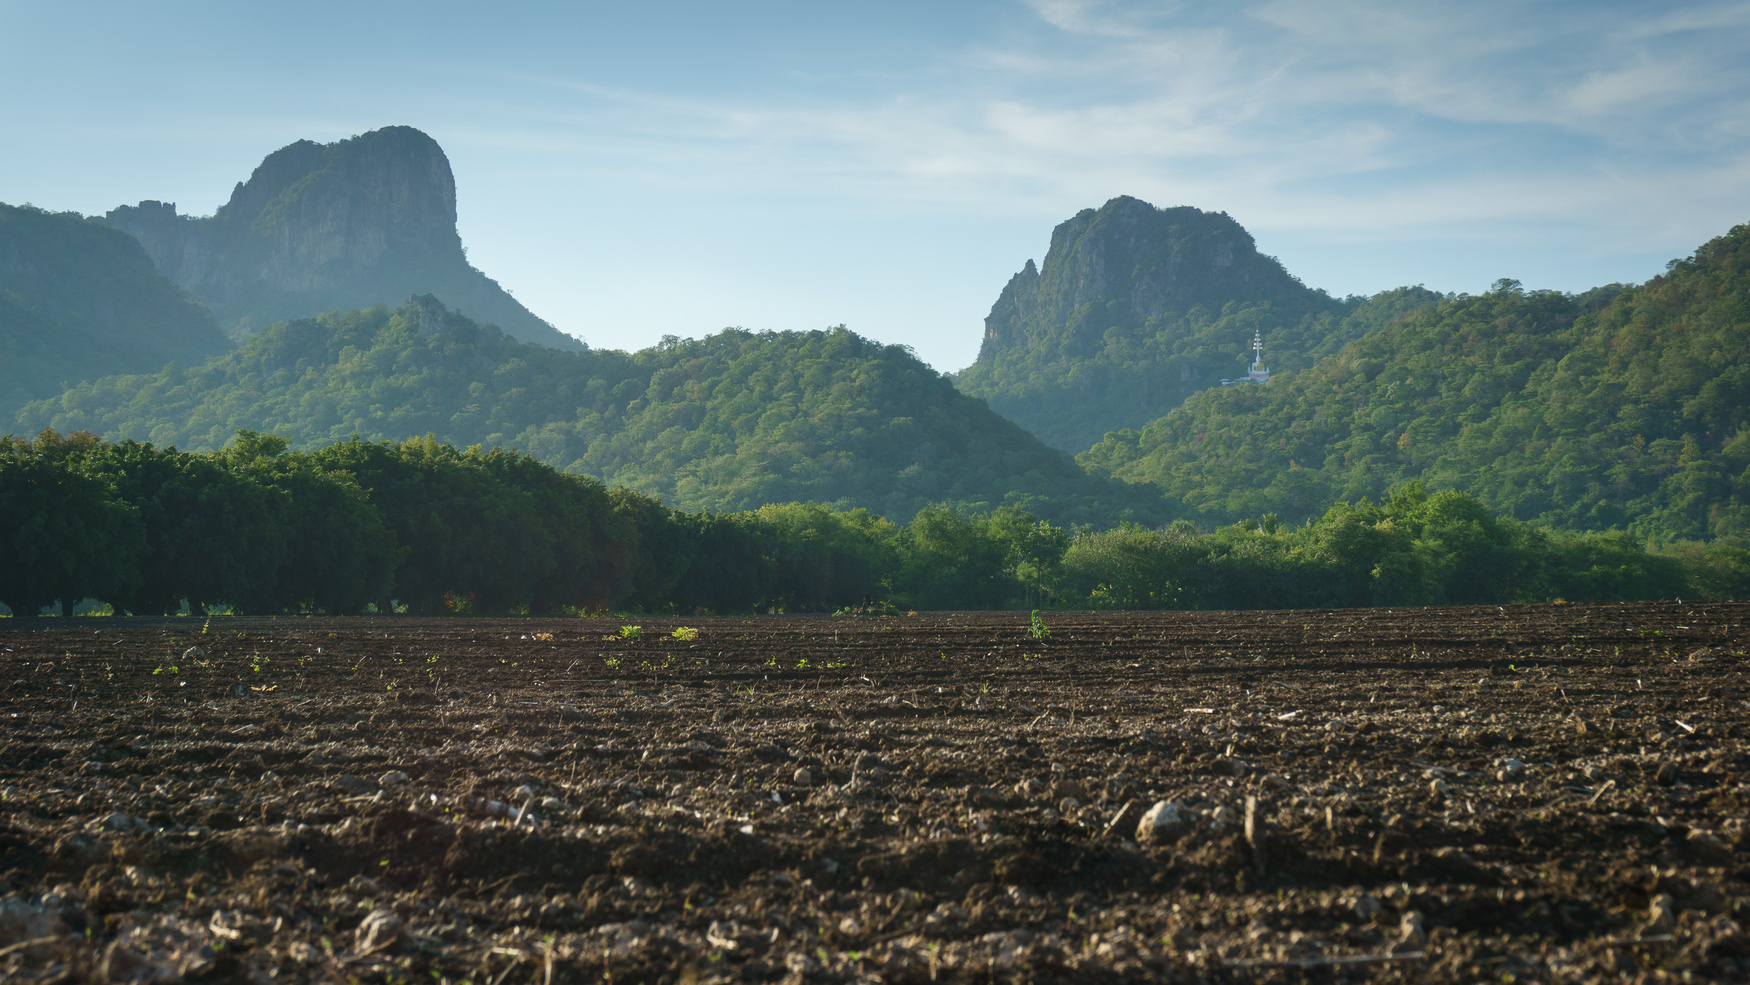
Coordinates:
(730, 422)
(1135, 309)
(79, 300)
(1621, 408)
(422, 527)
(1413, 549)
(258, 528)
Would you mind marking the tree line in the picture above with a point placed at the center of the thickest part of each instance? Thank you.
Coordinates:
(1413, 548)
(422, 527)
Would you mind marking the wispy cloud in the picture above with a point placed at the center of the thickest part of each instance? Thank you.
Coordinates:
(1387, 115)
(1376, 115)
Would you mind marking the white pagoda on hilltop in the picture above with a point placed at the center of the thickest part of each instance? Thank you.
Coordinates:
(1258, 373)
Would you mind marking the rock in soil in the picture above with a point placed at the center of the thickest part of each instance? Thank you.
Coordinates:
(379, 930)
(1165, 821)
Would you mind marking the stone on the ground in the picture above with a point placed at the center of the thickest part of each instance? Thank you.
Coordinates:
(380, 930)
(1166, 821)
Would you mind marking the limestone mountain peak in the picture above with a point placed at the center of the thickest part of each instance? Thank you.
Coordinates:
(1129, 263)
(1133, 309)
(320, 227)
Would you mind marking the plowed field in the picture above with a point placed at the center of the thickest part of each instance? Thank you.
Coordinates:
(1535, 793)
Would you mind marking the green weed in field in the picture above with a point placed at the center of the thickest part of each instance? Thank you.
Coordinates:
(1038, 630)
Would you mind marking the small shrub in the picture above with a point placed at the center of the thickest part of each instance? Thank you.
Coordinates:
(685, 633)
(631, 632)
(1038, 630)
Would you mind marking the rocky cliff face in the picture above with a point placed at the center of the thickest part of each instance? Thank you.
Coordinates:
(1134, 309)
(1129, 264)
(323, 227)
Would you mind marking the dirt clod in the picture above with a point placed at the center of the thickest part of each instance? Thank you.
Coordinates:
(1707, 849)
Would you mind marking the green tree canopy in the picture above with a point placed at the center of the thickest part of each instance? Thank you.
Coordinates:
(732, 422)
(1617, 409)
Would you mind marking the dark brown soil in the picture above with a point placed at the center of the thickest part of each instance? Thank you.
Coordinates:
(1542, 793)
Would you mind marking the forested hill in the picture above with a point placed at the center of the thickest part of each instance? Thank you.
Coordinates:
(727, 422)
(1134, 309)
(331, 227)
(79, 300)
(1620, 408)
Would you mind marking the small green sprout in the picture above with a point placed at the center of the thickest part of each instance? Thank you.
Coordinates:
(1038, 630)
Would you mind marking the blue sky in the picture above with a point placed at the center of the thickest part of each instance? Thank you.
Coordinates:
(631, 171)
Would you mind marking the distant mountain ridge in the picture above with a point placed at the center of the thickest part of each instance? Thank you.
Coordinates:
(1624, 408)
(1134, 309)
(729, 422)
(80, 300)
(331, 227)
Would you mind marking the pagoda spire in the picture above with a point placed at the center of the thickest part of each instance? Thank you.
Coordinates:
(1258, 373)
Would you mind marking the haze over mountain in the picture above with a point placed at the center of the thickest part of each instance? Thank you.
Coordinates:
(331, 227)
(729, 422)
(80, 300)
(1617, 408)
(1134, 309)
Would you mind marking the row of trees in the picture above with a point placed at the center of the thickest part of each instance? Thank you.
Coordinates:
(424, 527)
(258, 528)
(1412, 549)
